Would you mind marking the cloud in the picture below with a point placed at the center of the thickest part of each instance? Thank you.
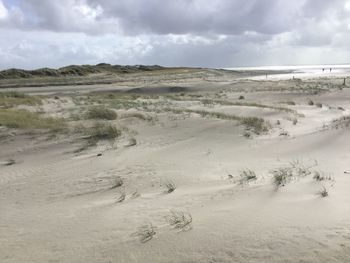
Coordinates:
(3, 11)
(212, 33)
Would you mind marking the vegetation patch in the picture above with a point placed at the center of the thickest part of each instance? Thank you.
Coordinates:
(13, 98)
(295, 170)
(21, 119)
(101, 113)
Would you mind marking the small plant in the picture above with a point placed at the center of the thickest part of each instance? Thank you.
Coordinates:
(135, 194)
(132, 142)
(180, 220)
(257, 125)
(319, 105)
(102, 131)
(247, 134)
(241, 97)
(145, 233)
(118, 182)
(282, 176)
(323, 192)
(101, 113)
(300, 168)
(208, 103)
(310, 102)
(278, 122)
(284, 133)
(10, 162)
(290, 102)
(246, 176)
(122, 196)
(295, 121)
(318, 176)
(170, 186)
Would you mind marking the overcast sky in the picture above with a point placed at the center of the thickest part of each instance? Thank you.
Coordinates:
(205, 33)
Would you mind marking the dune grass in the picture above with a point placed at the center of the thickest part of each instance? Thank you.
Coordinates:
(254, 124)
(101, 113)
(13, 98)
(21, 119)
(180, 220)
(103, 131)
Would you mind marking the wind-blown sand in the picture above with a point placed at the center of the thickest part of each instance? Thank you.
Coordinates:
(59, 205)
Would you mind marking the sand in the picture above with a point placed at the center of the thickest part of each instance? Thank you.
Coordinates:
(58, 205)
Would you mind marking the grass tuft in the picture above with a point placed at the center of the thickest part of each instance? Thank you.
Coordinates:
(145, 233)
(170, 186)
(247, 176)
(180, 220)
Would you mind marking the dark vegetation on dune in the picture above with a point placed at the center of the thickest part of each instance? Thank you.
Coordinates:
(75, 70)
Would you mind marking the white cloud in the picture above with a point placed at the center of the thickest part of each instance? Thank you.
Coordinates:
(216, 33)
(3, 11)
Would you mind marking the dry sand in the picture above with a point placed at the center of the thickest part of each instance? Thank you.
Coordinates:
(57, 205)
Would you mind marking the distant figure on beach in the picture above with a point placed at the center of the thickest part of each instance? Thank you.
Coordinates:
(330, 70)
(323, 69)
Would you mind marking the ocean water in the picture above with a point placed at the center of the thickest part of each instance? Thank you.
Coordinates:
(303, 72)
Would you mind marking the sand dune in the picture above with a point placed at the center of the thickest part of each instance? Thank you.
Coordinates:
(63, 205)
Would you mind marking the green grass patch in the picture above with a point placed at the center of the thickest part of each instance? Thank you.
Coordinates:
(21, 119)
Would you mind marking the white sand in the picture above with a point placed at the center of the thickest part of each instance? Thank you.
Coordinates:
(57, 205)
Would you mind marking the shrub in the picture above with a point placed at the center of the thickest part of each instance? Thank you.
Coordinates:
(319, 105)
(241, 97)
(101, 113)
(310, 102)
(295, 121)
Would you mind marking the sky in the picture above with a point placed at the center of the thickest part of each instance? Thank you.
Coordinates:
(197, 33)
